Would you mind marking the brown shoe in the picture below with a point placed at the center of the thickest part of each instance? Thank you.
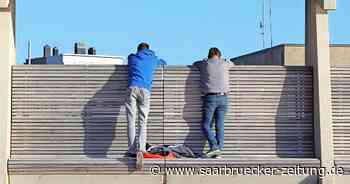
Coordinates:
(139, 160)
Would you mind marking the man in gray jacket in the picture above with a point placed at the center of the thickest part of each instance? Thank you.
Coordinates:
(214, 80)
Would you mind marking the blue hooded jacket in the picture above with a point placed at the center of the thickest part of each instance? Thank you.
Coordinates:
(141, 68)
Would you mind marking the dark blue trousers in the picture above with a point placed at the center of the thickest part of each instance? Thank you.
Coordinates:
(214, 109)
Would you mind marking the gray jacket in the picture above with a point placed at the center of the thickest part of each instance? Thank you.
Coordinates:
(214, 75)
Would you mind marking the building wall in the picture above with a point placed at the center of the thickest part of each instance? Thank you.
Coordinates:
(295, 55)
(72, 59)
(291, 55)
(340, 55)
(272, 56)
(7, 59)
(35, 61)
(92, 59)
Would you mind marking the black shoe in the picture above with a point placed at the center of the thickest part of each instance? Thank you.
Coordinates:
(130, 155)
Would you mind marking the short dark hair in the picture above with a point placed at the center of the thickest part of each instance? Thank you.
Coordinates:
(214, 52)
(142, 46)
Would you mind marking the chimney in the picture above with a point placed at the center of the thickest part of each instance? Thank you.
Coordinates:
(47, 51)
(92, 51)
(79, 48)
(55, 51)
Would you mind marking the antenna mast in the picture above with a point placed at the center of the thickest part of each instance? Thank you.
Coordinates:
(262, 24)
(266, 24)
(270, 20)
(29, 52)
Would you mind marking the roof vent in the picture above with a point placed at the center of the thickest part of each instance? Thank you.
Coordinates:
(55, 51)
(79, 48)
(92, 51)
(47, 51)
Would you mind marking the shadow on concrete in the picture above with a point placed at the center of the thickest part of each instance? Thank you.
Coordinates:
(292, 116)
(310, 180)
(100, 117)
(195, 138)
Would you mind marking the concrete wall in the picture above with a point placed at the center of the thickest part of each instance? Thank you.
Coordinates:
(7, 59)
(295, 55)
(274, 56)
(72, 59)
(339, 55)
(292, 55)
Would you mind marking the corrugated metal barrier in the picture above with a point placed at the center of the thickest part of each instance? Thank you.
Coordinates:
(340, 83)
(76, 113)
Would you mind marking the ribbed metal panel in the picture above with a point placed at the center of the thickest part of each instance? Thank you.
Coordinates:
(78, 110)
(341, 112)
(71, 119)
(76, 113)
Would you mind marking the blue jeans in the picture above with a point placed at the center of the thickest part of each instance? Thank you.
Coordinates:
(214, 108)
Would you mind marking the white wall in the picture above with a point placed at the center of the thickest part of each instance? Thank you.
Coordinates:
(7, 59)
(88, 60)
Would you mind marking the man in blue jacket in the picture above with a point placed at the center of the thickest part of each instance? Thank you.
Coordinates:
(141, 67)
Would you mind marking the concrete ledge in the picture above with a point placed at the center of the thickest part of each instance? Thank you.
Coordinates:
(126, 166)
(83, 179)
(98, 179)
(243, 179)
(342, 179)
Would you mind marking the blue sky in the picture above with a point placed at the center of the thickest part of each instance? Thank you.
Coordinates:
(179, 31)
